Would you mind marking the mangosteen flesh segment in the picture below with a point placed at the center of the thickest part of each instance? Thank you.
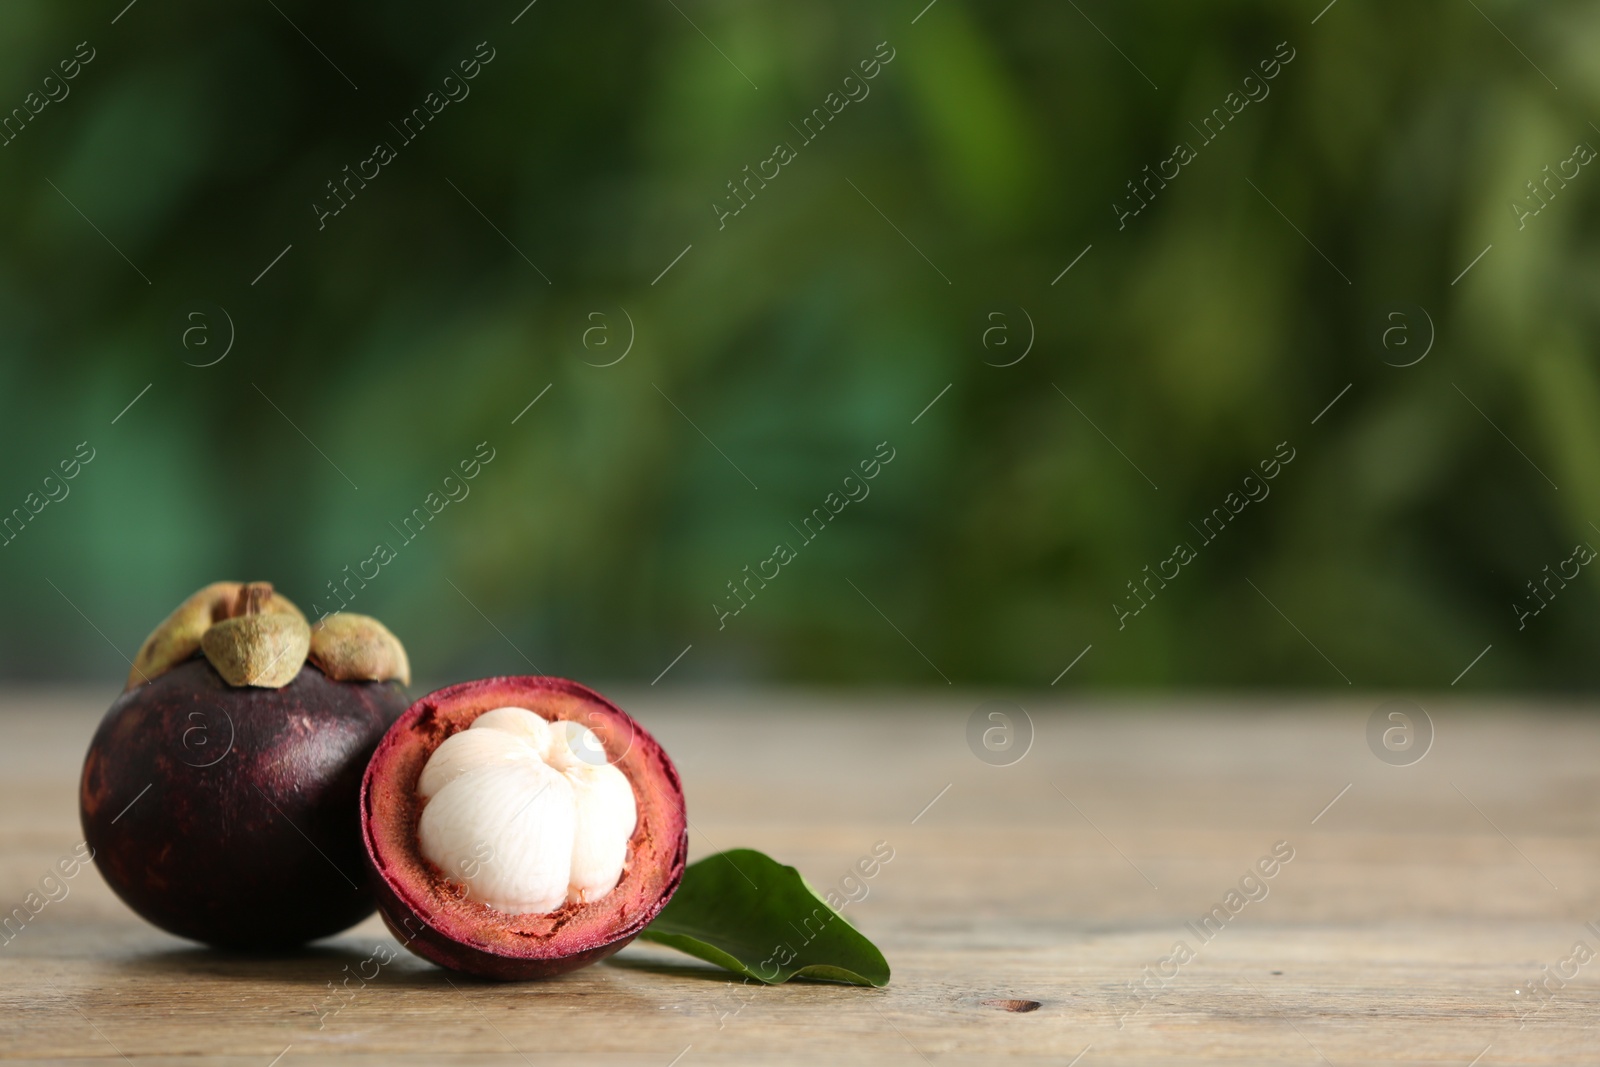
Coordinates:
(521, 827)
(230, 815)
(514, 811)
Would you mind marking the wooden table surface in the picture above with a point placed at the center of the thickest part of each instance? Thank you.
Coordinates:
(1409, 926)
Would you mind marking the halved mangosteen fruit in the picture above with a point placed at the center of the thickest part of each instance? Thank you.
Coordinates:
(521, 827)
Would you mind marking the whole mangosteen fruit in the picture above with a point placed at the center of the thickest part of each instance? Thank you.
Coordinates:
(220, 793)
(521, 827)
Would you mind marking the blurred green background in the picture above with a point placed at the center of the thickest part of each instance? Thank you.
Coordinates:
(781, 349)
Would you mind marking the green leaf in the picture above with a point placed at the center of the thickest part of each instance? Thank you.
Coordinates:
(747, 912)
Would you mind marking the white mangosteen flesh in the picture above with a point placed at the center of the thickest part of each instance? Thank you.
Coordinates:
(526, 814)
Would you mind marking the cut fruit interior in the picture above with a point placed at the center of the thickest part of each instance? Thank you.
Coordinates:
(525, 816)
(491, 857)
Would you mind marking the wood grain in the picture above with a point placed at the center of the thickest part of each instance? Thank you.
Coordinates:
(1412, 913)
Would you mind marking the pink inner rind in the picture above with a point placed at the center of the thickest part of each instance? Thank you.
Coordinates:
(431, 914)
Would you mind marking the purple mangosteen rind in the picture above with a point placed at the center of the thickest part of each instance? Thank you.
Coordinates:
(228, 815)
(435, 922)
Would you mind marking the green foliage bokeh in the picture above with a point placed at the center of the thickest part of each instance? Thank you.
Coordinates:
(793, 338)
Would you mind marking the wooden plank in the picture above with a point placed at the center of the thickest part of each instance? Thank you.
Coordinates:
(1407, 927)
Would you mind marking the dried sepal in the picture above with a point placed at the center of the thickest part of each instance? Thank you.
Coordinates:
(266, 651)
(358, 648)
(178, 637)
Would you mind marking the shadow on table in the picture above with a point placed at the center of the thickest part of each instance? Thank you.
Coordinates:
(676, 966)
(315, 964)
(324, 963)
(673, 968)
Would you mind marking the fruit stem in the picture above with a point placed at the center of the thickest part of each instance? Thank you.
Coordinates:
(252, 595)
